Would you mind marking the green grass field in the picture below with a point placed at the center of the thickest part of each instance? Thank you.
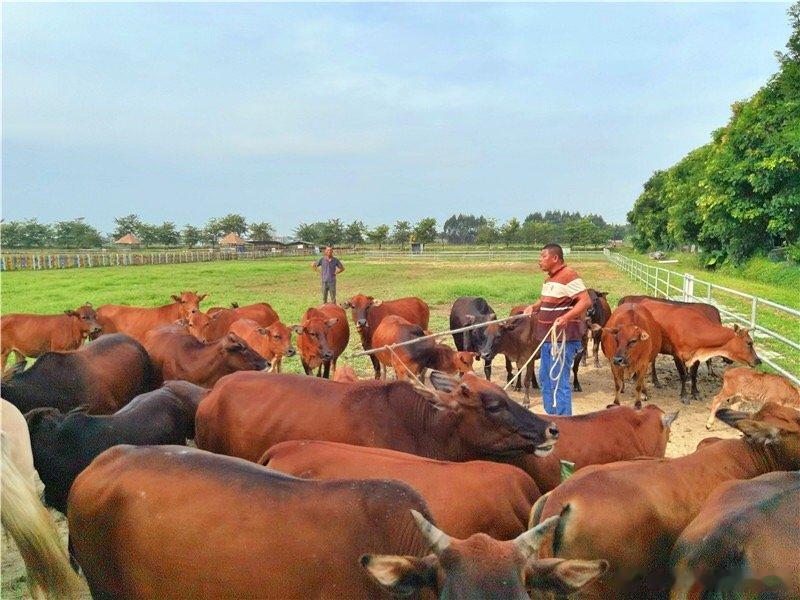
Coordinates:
(290, 286)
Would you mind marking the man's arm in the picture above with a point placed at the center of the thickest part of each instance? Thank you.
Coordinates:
(573, 314)
(533, 307)
(339, 267)
(315, 266)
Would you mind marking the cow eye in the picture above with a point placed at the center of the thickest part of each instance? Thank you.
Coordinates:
(494, 406)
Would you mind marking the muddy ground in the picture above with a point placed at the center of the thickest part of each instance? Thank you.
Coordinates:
(598, 391)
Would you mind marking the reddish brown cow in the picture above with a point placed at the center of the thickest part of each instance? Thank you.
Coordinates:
(272, 342)
(177, 354)
(749, 385)
(744, 543)
(247, 413)
(322, 336)
(605, 436)
(259, 513)
(33, 335)
(345, 374)
(412, 360)
(136, 321)
(211, 326)
(631, 513)
(367, 313)
(631, 342)
(480, 496)
(689, 336)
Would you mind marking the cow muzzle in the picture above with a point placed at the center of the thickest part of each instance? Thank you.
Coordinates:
(263, 365)
(551, 437)
(361, 324)
(620, 361)
(327, 355)
(758, 361)
(291, 352)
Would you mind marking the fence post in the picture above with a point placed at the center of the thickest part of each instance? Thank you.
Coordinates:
(688, 287)
(753, 312)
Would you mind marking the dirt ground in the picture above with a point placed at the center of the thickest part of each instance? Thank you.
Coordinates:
(598, 392)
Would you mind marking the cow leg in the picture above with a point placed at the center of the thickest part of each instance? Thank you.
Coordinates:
(306, 368)
(532, 369)
(376, 366)
(509, 370)
(641, 390)
(576, 385)
(277, 364)
(656, 384)
(422, 374)
(718, 399)
(326, 369)
(619, 382)
(710, 367)
(596, 350)
(693, 373)
(585, 349)
(683, 375)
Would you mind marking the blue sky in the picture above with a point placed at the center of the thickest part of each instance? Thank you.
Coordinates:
(378, 112)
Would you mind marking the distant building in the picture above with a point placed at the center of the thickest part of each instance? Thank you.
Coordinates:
(233, 242)
(128, 240)
(290, 246)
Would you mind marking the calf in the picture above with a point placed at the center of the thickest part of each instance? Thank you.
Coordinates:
(137, 321)
(64, 444)
(598, 314)
(247, 413)
(480, 496)
(322, 336)
(178, 355)
(631, 342)
(345, 374)
(272, 342)
(606, 436)
(471, 310)
(744, 542)
(367, 313)
(104, 375)
(211, 326)
(377, 534)
(32, 335)
(750, 385)
(631, 513)
(414, 359)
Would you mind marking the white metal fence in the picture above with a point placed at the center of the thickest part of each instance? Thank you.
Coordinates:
(474, 254)
(734, 306)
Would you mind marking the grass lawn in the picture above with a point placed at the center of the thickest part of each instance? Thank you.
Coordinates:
(290, 286)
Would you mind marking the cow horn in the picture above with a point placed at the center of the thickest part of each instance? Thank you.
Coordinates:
(437, 539)
(528, 543)
(668, 418)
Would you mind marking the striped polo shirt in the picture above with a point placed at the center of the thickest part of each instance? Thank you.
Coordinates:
(559, 294)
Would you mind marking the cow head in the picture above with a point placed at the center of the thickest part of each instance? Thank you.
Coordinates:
(86, 320)
(239, 356)
(493, 337)
(481, 567)
(741, 347)
(42, 422)
(313, 340)
(188, 301)
(596, 307)
(775, 427)
(490, 423)
(361, 305)
(197, 323)
(464, 361)
(278, 339)
(626, 337)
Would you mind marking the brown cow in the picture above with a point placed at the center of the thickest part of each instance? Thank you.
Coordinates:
(707, 310)
(631, 512)
(210, 326)
(631, 342)
(345, 374)
(272, 342)
(598, 314)
(322, 336)
(414, 359)
(314, 535)
(177, 354)
(749, 385)
(689, 336)
(32, 335)
(744, 543)
(136, 321)
(479, 496)
(367, 313)
(103, 375)
(605, 436)
(247, 413)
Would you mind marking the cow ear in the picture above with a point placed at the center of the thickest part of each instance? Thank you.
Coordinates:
(346, 304)
(492, 316)
(602, 294)
(595, 327)
(298, 329)
(70, 313)
(469, 319)
(376, 302)
(562, 576)
(759, 432)
(644, 336)
(262, 330)
(443, 382)
(176, 298)
(331, 322)
(611, 330)
(668, 419)
(736, 327)
(401, 575)
(201, 298)
(89, 304)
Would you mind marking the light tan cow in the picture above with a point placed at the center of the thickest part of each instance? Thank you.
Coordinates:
(748, 384)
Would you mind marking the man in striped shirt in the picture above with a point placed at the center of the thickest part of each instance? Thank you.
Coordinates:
(563, 303)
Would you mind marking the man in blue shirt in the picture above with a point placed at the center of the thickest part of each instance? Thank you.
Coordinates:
(329, 267)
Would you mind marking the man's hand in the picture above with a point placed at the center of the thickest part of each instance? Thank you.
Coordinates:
(559, 322)
(529, 310)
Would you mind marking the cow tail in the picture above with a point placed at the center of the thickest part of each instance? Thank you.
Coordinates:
(30, 525)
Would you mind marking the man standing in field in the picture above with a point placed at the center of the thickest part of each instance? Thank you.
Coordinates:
(329, 266)
(563, 303)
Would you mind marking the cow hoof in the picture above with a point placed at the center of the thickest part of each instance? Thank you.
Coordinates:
(708, 427)
(577, 388)
(686, 400)
(638, 404)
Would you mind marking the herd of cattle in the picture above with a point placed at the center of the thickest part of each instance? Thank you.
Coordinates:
(333, 487)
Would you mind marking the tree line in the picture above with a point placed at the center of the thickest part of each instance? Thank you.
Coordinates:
(536, 228)
(739, 194)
